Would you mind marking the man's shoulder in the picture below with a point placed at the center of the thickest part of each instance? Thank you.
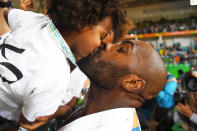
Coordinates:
(105, 120)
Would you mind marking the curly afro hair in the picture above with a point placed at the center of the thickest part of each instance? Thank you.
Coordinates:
(68, 14)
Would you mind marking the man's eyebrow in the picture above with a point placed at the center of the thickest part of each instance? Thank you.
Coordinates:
(127, 41)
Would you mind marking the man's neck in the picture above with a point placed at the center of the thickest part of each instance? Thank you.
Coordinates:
(101, 99)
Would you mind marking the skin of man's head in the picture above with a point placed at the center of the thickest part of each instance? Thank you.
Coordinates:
(133, 66)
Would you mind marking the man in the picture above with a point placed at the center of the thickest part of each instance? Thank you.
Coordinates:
(122, 77)
(187, 113)
(33, 69)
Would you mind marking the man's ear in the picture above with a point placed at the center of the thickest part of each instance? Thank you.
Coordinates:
(133, 83)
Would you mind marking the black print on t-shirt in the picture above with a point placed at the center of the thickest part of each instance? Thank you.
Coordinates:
(9, 66)
(14, 70)
(15, 49)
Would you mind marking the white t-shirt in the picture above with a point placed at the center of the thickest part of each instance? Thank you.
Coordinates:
(34, 71)
(77, 80)
(119, 119)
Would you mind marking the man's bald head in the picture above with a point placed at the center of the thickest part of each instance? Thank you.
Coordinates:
(112, 63)
(150, 67)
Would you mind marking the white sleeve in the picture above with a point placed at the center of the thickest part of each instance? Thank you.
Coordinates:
(14, 18)
(44, 103)
(77, 80)
(193, 118)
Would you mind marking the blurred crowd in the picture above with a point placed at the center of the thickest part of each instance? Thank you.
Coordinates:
(165, 26)
(175, 107)
(176, 54)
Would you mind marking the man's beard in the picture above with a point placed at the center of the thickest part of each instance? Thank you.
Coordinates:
(97, 69)
(88, 65)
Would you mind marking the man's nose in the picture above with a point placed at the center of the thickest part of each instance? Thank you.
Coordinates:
(107, 46)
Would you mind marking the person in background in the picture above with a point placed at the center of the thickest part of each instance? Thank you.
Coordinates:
(186, 114)
(182, 77)
(123, 31)
(181, 74)
(7, 4)
(153, 111)
(4, 4)
(165, 98)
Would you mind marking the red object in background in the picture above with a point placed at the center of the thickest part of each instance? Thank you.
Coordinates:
(165, 34)
(177, 59)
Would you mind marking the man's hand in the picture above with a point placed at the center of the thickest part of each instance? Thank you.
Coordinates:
(25, 4)
(184, 110)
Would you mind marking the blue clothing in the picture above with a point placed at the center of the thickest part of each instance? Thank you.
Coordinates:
(170, 77)
(165, 100)
(170, 87)
(165, 97)
(136, 129)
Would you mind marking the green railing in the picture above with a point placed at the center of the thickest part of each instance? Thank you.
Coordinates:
(173, 68)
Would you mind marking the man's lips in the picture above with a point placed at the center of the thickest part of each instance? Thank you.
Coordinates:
(95, 51)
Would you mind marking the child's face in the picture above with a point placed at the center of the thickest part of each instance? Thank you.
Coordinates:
(90, 38)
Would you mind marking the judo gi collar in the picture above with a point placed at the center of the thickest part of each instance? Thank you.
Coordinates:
(61, 42)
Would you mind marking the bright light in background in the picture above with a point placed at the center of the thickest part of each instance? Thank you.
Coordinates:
(193, 2)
